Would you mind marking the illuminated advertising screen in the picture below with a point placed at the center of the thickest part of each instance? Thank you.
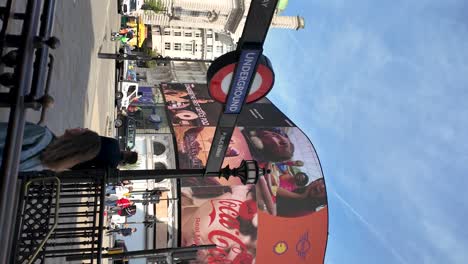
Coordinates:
(191, 105)
(281, 219)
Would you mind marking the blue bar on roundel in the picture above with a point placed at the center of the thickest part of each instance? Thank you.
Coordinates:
(242, 80)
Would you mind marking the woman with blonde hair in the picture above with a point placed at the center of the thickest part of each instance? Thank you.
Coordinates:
(42, 150)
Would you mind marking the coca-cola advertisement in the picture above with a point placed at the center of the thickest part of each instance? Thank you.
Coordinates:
(222, 215)
(291, 195)
(281, 219)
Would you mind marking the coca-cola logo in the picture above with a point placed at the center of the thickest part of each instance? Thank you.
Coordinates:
(226, 212)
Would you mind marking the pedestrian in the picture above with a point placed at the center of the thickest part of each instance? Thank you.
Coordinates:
(122, 231)
(77, 148)
(128, 211)
(42, 150)
(122, 202)
(109, 155)
(119, 191)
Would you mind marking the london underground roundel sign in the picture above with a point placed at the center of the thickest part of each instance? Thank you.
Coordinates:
(221, 73)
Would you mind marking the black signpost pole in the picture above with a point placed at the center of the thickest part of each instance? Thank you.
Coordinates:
(179, 253)
(144, 57)
(250, 48)
(247, 172)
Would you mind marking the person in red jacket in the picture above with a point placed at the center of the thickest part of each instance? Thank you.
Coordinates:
(122, 202)
(127, 211)
(123, 207)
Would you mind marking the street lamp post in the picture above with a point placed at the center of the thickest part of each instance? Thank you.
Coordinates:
(182, 253)
(149, 221)
(144, 57)
(248, 172)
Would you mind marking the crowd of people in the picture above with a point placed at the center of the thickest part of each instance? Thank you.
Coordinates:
(117, 199)
(118, 203)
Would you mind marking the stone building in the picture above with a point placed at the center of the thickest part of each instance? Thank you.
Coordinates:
(206, 29)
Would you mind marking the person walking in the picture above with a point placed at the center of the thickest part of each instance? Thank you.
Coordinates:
(122, 203)
(109, 155)
(42, 150)
(122, 231)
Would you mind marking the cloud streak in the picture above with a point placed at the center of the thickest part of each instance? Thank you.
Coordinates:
(371, 228)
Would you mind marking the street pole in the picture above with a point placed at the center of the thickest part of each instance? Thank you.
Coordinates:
(150, 201)
(144, 57)
(248, 172)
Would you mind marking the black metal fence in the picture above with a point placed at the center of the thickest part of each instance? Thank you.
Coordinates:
(60, 216)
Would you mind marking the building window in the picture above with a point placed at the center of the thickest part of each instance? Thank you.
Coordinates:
(188, 47)
(167, 32)
(167, 46)
(160, 166)
(179, 12)
(209, 35)
(177, 46)
(209, 48)
(219, 49)
(158, 148)
(188, 34)
(197, 34)
(177, 33)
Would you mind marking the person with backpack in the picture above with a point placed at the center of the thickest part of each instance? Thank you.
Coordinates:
(128, 211)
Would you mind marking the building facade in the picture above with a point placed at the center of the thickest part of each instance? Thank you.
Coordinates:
(205, 29)
(175, 71)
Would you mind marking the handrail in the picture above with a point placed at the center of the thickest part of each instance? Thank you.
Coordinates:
(33, 257)
(16, 124)
(18, 99)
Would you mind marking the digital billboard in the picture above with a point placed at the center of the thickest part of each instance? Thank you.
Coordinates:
(283, 218)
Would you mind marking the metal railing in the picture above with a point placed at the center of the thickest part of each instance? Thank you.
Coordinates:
(24, 60)
(61, 216)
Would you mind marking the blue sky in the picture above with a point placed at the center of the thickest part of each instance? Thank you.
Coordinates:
(381, 87)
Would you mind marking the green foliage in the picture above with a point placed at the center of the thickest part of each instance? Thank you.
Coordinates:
(150, 64)
(152, 53)
(154, 5)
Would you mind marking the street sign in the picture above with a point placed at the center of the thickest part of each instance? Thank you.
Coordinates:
(238, 81)
(221, 75)
(245, 69)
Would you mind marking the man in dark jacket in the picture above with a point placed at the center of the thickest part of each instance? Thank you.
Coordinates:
(122, 231)
(109, 155)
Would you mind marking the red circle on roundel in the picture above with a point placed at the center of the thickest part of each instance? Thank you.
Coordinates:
(218, 89)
